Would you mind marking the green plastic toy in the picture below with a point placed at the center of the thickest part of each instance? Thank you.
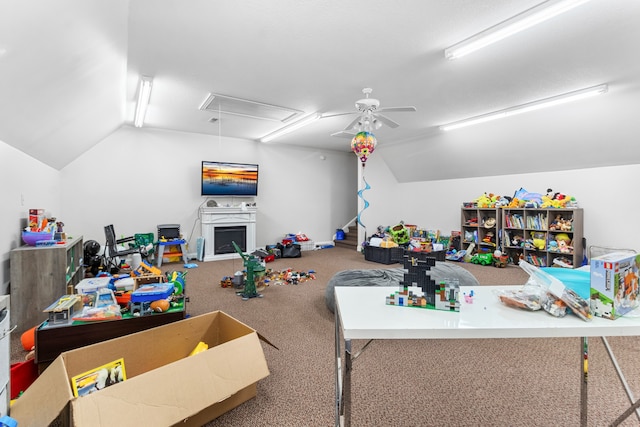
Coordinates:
(255, 269)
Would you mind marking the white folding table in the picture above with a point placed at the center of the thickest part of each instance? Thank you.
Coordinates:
(361, 313)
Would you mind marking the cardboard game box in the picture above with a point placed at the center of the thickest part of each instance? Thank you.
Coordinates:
(164, 385)
(614, 284)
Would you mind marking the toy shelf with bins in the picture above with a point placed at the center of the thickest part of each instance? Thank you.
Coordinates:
(543, 237)
(480, 226)
(39, 276)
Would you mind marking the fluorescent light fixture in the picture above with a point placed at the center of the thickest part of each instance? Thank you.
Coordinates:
(291, 127)
(531, 106)
(144, 94)
(511, 26)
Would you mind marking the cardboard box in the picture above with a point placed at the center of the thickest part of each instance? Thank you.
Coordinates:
(614, 284)
(164, 385)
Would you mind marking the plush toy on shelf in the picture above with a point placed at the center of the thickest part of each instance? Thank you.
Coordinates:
(538, 240)
(489, 238)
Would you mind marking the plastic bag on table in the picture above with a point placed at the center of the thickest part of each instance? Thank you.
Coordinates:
(554, 306)
(555, 287)
(530, 297)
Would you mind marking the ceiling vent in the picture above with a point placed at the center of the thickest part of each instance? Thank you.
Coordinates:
(223, 104)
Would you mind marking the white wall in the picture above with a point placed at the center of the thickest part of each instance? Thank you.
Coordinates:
(605, 194)
(26, 183)
(138, 178)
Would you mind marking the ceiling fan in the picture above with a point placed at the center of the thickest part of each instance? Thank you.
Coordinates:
(369, 117)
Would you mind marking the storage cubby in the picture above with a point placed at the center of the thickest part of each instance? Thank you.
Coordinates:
(480, 226)
(543, 237)
(41, 275)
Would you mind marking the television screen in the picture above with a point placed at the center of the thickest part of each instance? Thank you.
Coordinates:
(229, 179)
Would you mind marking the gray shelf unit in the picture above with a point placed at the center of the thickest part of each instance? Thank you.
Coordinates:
(41, 275)
(523, 222)
(478, 224)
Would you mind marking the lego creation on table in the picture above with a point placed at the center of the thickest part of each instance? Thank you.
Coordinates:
(392, 277)
(441, 295)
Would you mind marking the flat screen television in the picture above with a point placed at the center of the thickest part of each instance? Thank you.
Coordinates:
(229, 179)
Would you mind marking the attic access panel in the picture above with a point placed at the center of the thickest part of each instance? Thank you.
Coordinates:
(224, 104)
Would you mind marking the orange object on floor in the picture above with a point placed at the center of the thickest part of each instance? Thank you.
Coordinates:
(28, 339)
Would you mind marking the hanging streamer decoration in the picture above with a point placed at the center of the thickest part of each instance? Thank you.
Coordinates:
(363, 145)
(366, 203)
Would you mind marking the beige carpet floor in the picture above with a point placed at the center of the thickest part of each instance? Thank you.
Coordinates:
(498, 382)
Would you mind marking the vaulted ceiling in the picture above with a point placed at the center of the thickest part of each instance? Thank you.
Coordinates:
(70, 69)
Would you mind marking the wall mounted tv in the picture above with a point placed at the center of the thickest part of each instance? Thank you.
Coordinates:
(229, 179)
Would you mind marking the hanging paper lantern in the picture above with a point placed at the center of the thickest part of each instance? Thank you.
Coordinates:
(363, 145)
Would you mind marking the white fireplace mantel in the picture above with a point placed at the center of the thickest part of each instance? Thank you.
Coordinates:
(210, 218)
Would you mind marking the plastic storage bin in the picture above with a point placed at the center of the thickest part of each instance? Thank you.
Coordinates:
(91, 286)
(438, 255)
(153, 292)
(383, 255)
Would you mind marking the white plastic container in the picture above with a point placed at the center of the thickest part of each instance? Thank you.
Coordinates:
(124, 284)
(90, 286)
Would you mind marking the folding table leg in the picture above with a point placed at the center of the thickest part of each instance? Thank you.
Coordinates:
(343, 377)
(584, 367)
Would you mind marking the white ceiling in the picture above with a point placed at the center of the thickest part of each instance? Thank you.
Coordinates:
(69, 73)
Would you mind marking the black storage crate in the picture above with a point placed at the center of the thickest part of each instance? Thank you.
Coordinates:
(383, 255)
(438, 255)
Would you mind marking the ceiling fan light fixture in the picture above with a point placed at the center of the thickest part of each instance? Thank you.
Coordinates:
(144, 95)
(530, 106)
(306, 120)
(511, 26)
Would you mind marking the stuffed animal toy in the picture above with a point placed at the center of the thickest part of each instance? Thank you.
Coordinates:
(515, 203)
(538, 240)
(483, 201)
(563, 247)
(400, 234)
(489, 238)
(517, 240)
(531, 200)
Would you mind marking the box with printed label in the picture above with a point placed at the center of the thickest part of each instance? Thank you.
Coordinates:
(614, 284)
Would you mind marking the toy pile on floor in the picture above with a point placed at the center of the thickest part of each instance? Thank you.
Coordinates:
(410, 237)
(270, 277)
(145, 291)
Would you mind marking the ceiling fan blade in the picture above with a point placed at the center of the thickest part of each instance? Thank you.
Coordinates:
(344, 134)
(386, 120)
(396, 109)
(353, 123)
(324, 116)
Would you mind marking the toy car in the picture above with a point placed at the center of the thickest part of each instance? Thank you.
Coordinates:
(482, 259)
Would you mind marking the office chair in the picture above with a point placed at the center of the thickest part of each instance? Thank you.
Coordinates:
(112, 253)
